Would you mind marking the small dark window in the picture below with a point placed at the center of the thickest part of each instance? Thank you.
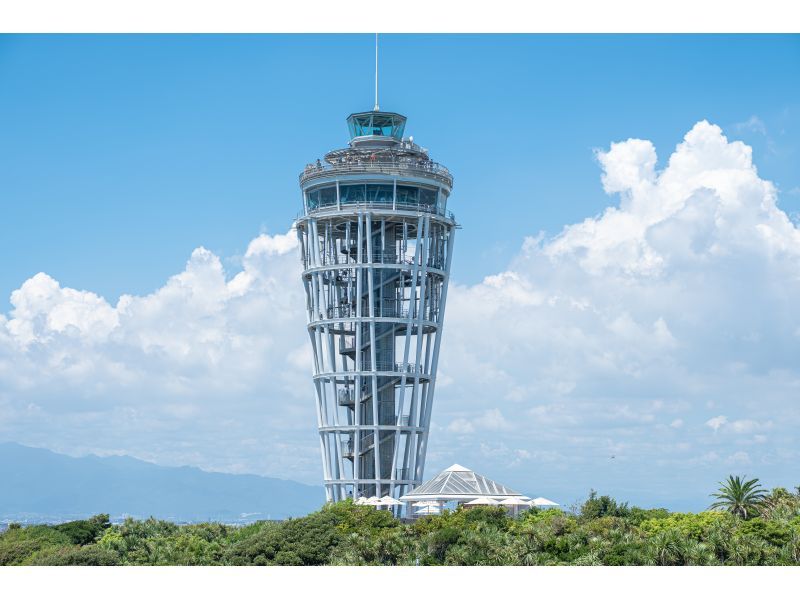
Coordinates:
(407, 195)
(427, 197)
(380, 193)
(352, 193)
(327, 196)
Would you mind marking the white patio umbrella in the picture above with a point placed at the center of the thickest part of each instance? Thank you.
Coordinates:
(425, 503)
(361, 500)
(390, 501)
(543, 502)
(483, 500)
(373, 501)
(514, 502)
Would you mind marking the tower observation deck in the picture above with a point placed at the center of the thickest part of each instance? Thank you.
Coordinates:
(376, 242)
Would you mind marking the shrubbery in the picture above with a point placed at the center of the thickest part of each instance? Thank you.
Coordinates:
(603, 532)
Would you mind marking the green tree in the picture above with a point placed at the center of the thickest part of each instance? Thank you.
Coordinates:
(92, 554)
(603, 506)
(781, 504)
(84, 531)
(309, 540)
(740, 496)
(605, 532)
(17, 545)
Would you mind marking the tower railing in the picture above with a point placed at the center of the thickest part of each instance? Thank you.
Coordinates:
(387, 309)
(399, 166)
(349, 311)
(346, 397)
(390, 258)
(395, 367)
(379, 205)
(348, 446)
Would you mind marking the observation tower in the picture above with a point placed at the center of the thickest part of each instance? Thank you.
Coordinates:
(377, 243)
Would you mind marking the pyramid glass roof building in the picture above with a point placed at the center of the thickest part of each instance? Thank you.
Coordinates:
(457, 483)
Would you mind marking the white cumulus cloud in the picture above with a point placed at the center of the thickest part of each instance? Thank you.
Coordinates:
(681, 295)
(606, 345)
(715, 423)
(185, 374)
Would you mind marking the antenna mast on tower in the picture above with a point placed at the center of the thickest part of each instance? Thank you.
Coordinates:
(376, 108)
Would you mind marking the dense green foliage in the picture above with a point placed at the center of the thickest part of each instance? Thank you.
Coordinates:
(601, 532)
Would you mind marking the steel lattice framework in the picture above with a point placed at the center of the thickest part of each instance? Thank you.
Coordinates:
(376, 243)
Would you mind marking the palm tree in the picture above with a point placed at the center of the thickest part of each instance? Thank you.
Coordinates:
(665, 547)
(740, 496)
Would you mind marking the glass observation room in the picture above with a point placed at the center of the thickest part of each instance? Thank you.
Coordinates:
(407, 195)
(381, 124)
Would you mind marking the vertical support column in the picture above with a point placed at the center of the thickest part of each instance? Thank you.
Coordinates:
(373, 352)
(358, 360)
(320, 418)
(437, 343)
(323, 384)
(336, 455)
(415, 400)
(411, 436)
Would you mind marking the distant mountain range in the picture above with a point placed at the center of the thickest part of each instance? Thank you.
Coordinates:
(40, 485)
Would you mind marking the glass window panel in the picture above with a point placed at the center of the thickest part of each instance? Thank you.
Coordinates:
(376, 123)
(327, 196)
(351, 193)
(379, 193)
(407, 195)
(427, 197)
(313, 200)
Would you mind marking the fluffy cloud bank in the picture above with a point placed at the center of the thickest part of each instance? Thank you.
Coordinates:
(203, 370)
(655, 342)
(674, 305)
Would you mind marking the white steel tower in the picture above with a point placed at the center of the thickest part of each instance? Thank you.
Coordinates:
(376, 244)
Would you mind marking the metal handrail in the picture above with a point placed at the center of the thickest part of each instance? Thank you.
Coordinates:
(340, 311)
(378, 205)
(346, 397)
(388, 366)
(367, 442)
(386, 166)
(348, 311)
(378, 258)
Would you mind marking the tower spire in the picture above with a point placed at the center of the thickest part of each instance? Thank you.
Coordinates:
(377, 107)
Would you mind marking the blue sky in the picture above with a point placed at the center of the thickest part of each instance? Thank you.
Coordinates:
(120, 154)
(661, 331)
